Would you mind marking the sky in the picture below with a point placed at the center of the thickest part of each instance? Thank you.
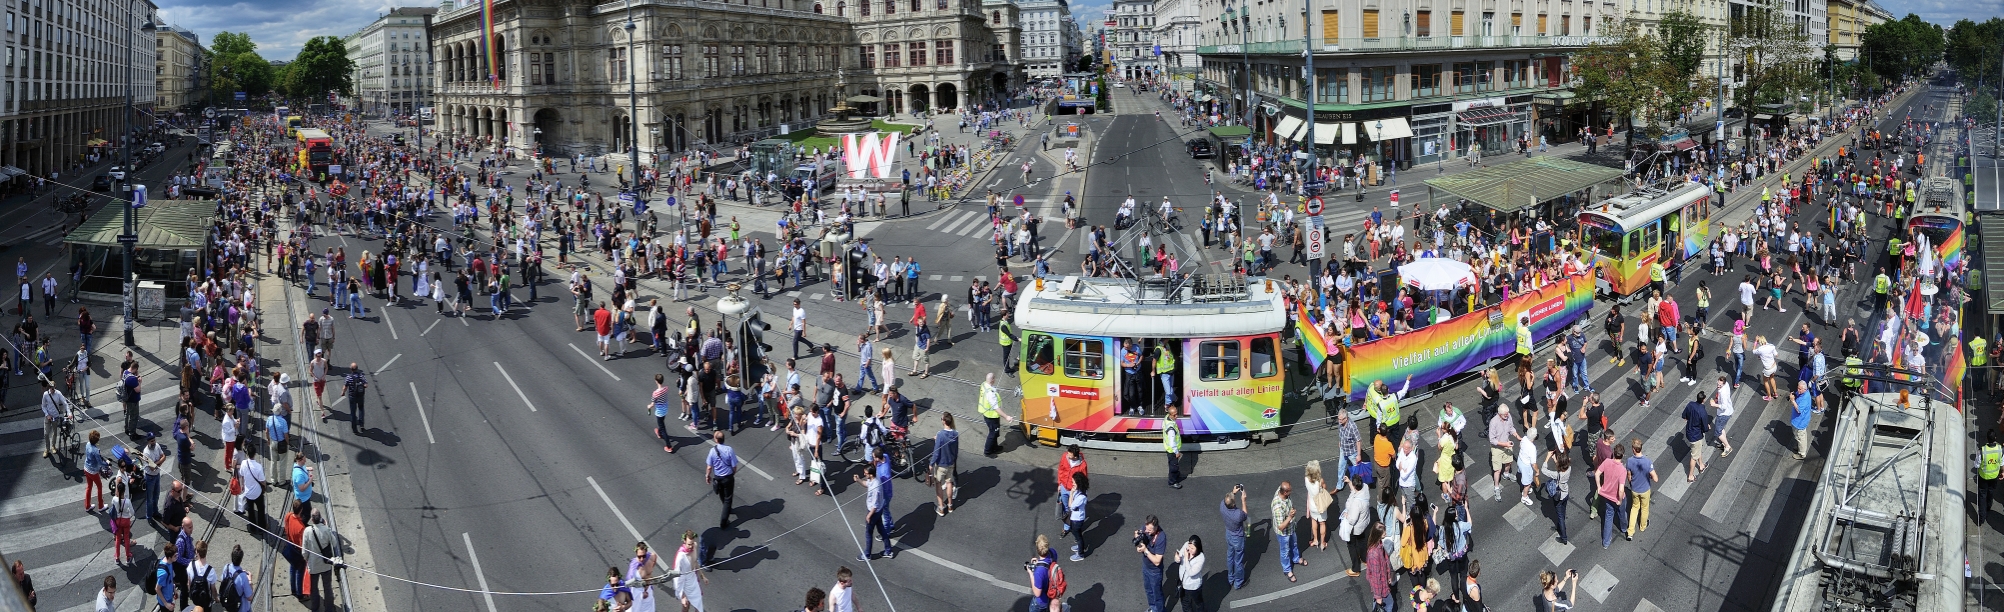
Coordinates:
(281, 27)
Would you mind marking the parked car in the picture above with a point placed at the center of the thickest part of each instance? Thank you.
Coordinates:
(101, 183)
(118, 172)
(1200, 149)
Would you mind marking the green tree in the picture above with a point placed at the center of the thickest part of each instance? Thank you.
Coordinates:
(1903, 48)
(1982, 106)
(1683, 38)
(1774, 57)
(1972, 49)
(236, 66)
(322, 66)
(1622, 76)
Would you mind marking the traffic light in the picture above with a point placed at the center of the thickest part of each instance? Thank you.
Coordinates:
(858, 278)
(752, 345)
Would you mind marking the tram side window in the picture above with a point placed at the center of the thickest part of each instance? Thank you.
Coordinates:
(1040, 354)
(1085, 358)
(1634, 245)
(1650, 236)
(1264, 358)
(1218, 360)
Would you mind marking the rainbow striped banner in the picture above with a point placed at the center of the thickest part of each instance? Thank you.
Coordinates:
(1437, 352)
(1313, 341)
(487, 43)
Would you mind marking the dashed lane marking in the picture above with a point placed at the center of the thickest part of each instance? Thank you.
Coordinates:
(622, 519)
(1289, 591)
(427, 427)
(427, 328)
(386, 364)
(977, 574)
(517, 388)
(475, 558)
(594, 362)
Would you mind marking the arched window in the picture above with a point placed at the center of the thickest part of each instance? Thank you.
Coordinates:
(817, 8)
(998, 17)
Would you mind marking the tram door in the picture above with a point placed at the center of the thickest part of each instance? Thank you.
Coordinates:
(1673, 238)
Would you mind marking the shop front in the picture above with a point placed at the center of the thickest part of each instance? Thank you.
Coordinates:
(1346, 133)
(1561, 114)
(1489, 126)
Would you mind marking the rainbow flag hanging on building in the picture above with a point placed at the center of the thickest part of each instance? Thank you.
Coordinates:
(487, 43)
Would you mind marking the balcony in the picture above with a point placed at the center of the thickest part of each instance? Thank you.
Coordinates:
(1396, 44)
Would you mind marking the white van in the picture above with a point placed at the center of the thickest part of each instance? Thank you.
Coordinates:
(824, 175)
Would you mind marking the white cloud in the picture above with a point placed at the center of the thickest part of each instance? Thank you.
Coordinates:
(279, 28)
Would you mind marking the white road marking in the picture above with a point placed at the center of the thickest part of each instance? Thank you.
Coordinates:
(935, 277)
(1646, 606)
(54, 533)
(622, 520)
(1598, 583)
(1554, 551)
(475, 558)
(386, 364)
(517, 388)
(975, 573)
(942, 219)
(595, 362)
(817, 296)
(462, 320)
(427, 423)
(385, 314)
(427, 328)
(1289, 591)
(956, 278)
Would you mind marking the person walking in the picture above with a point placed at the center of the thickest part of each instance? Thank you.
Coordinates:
(1233, 511)
(689, 574)
(1041, 569)
(356, 384)
(945, 453)
(1153, 545)
(875, 520)
(657, 405)
(1722, 404)
(1798, 420)
(1611, 479)
(1075, 515)
(250, 475)
(1352, 524)
(1557, 468)
(320, 548)
(1641, 484)
(1989, 467)
(799, 327)
(721, 467)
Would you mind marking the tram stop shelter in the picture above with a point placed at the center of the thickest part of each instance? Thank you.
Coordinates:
(173, 241)
(1985, 183)
(1540, 185)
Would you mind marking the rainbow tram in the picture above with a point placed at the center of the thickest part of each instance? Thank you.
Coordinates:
(1094, 350)
(1629, 233)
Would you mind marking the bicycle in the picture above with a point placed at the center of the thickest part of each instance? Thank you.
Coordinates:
(78, 399)
(897, 448)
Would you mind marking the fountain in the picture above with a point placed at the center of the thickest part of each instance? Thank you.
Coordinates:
(843, 123)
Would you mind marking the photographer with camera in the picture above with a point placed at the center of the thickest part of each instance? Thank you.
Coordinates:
(1233, 510)
(1557, 594)
(1153, 545)
(1040, 569)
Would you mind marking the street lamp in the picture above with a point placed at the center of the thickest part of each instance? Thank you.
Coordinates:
(130, 238)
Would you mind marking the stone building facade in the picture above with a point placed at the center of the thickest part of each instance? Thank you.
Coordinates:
(699, 73)
(181, 69)
(69, 67)
(392, 76)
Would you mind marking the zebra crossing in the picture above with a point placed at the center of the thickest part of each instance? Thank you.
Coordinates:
(43, 523)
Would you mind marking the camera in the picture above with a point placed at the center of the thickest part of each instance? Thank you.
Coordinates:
(1140, 538)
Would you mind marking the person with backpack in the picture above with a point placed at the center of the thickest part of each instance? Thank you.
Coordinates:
(233, 590)
(201, 583)
(320, 547)
(163, 579)
(1557, 468)
(1047, 579)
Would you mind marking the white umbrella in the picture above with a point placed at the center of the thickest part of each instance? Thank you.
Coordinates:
(1437, 274)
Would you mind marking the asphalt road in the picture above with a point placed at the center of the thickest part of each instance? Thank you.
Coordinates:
(508, 441)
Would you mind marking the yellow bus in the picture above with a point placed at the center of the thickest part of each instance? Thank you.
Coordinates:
(292, 124)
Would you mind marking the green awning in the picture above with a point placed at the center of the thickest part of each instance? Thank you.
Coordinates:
(163, 224)
(1520, 184)
(1231, 131)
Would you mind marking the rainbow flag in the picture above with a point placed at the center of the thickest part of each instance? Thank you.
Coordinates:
(1466, 343)
(487, 43)
(1313, 341)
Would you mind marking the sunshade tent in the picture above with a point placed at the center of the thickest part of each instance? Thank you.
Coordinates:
(1437, 274)
(1523, 183)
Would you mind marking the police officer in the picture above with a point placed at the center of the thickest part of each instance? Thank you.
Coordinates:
(1881, 284)
(1005, 335)
(1165, 369)
(1989, 466)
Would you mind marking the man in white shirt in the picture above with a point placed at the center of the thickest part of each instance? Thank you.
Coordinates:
(799, 327)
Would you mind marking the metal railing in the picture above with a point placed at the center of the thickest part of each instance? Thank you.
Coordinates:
(1402, 43)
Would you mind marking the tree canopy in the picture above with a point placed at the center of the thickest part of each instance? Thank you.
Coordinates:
(1906, 47)
(236, 66)
(322, 66)
(1972, 49)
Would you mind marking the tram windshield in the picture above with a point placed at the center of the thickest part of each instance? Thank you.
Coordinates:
(1936, 229)
(1604, 241)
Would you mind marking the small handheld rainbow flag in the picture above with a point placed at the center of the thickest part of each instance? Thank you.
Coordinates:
(1313, 342)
